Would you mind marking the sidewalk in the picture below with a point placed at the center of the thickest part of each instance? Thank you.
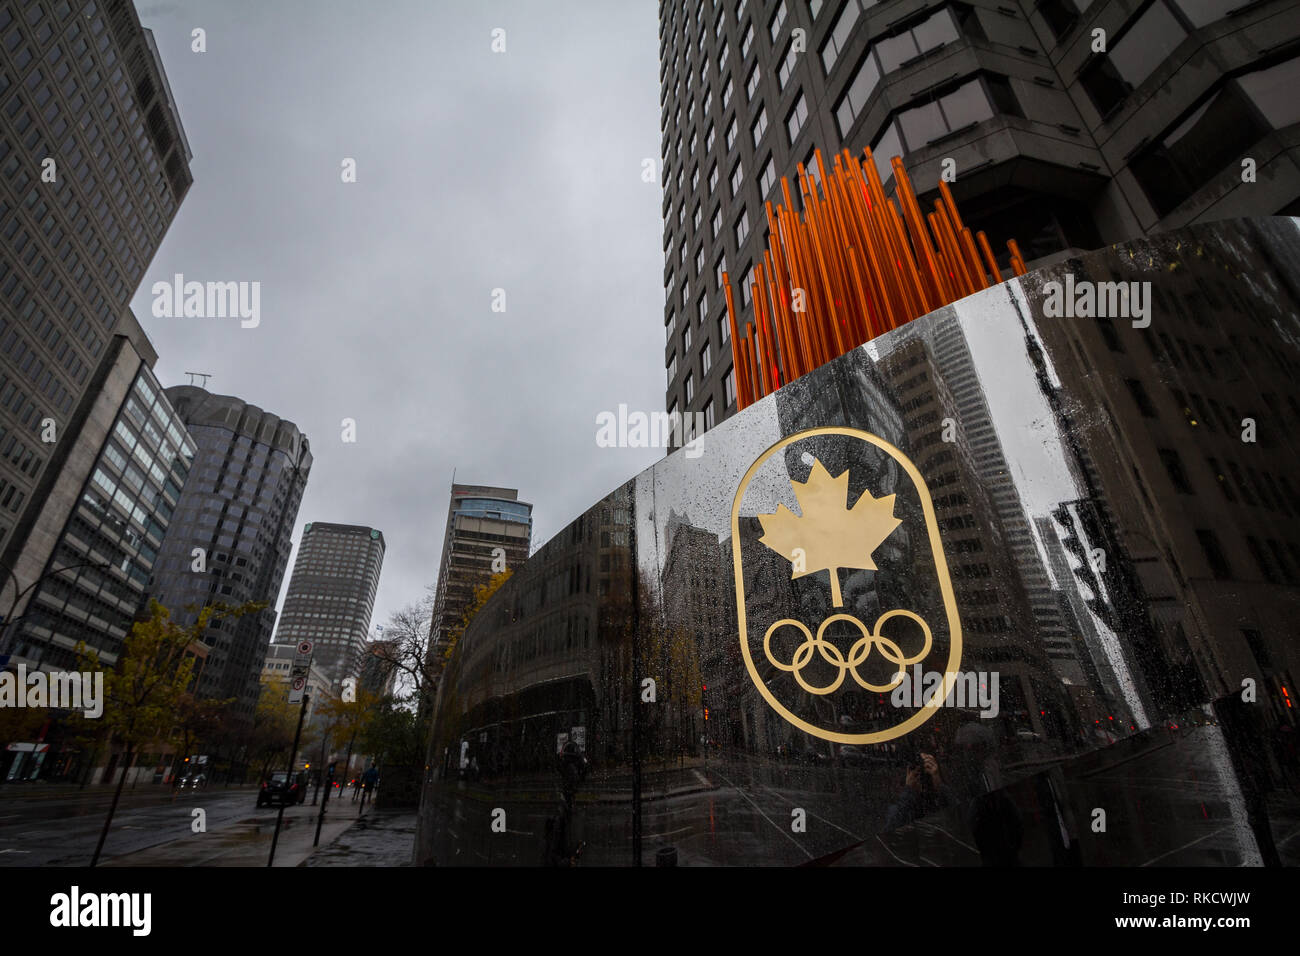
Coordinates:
(246, 843)
(380, 838)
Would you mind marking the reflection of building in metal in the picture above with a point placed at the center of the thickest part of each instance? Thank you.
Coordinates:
(697, 647)
(936, 389)
(486, 526)
(1101, 655)
(523, 677)
(1161, 596)
(1204, 552)
(332, 595)
(378, 667)
(1049, 142)
(230, 538)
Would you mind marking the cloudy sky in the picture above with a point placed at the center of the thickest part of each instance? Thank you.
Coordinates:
(475, 171)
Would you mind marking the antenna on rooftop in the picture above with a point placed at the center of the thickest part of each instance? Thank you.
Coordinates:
(203, 375)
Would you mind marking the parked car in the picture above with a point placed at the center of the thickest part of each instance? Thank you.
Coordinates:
(279, 788)
(194, 781)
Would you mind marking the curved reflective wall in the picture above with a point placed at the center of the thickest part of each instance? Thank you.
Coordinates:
(1015, 583)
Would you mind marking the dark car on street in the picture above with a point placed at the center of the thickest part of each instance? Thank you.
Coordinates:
(278, 789)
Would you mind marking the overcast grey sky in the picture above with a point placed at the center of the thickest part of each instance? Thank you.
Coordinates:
(475, 171)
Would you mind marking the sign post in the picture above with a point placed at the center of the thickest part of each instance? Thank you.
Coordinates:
(301, 660)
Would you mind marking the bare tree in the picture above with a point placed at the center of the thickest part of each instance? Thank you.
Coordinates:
(405, 648)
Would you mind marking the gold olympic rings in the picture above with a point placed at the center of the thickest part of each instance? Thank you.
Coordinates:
(858, 653)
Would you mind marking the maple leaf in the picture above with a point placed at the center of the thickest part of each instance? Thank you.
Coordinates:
(829, 535)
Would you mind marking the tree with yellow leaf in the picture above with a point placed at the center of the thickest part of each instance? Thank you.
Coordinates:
(481, 595)
(143, 692)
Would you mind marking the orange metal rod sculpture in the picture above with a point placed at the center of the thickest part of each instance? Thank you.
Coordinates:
(853, 265)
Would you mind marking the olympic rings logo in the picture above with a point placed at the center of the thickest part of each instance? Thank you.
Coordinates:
(858, 653)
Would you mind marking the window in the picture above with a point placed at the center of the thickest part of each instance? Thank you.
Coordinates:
(686, 341)
(1213, 553)
(751, 84)
(729, 387)
(690, 387)
(713, 178)
(929, 34)
(1140, 397)
(716, 223)
(672, 368)
(778, 20)
(787, 65)
(795, 120)
(708, 101)
(731, 133)
(1110, 77)
(699, 260)
(859, 91)
(724, 330)
(695, 178)
(704, 310)
(839, 34)
(708, 140)
(726, 94)
(963, 106)
(746, 287)
(708, 414)
(696, 217)
(722, 60)
(1204, 12)
(760, 125)
(1174, 466)
(742, 230)
(768, 179)
(748, 40)
(737, 178)
(681, 214)
(887, 146)
(705, 363)
(1215, 134)
(719, 268)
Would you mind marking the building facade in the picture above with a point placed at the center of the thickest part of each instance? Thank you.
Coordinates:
(232, 532)
(332, 595)
(93, 167)
(1051, 132)
(488, 530)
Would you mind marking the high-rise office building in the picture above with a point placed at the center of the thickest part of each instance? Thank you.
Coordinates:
(1182, 117)
(231, 534)
(332, 595)
(119, 518)
(93, 167)
(486, 526)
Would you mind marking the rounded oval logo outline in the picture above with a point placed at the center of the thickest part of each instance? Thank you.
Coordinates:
(941, 570)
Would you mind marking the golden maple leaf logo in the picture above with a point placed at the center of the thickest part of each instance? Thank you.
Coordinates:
(829, 535)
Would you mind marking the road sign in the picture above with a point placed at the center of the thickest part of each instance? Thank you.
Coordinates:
(304, 648)
(296, 688)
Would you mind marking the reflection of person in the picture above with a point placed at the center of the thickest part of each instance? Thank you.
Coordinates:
(562, 846)
(924, 792)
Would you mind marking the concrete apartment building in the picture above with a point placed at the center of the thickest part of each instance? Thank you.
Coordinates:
(332, 595)
(1053, 140)
(94, 165)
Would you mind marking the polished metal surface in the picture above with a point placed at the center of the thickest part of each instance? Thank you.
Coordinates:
(1015, 583)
